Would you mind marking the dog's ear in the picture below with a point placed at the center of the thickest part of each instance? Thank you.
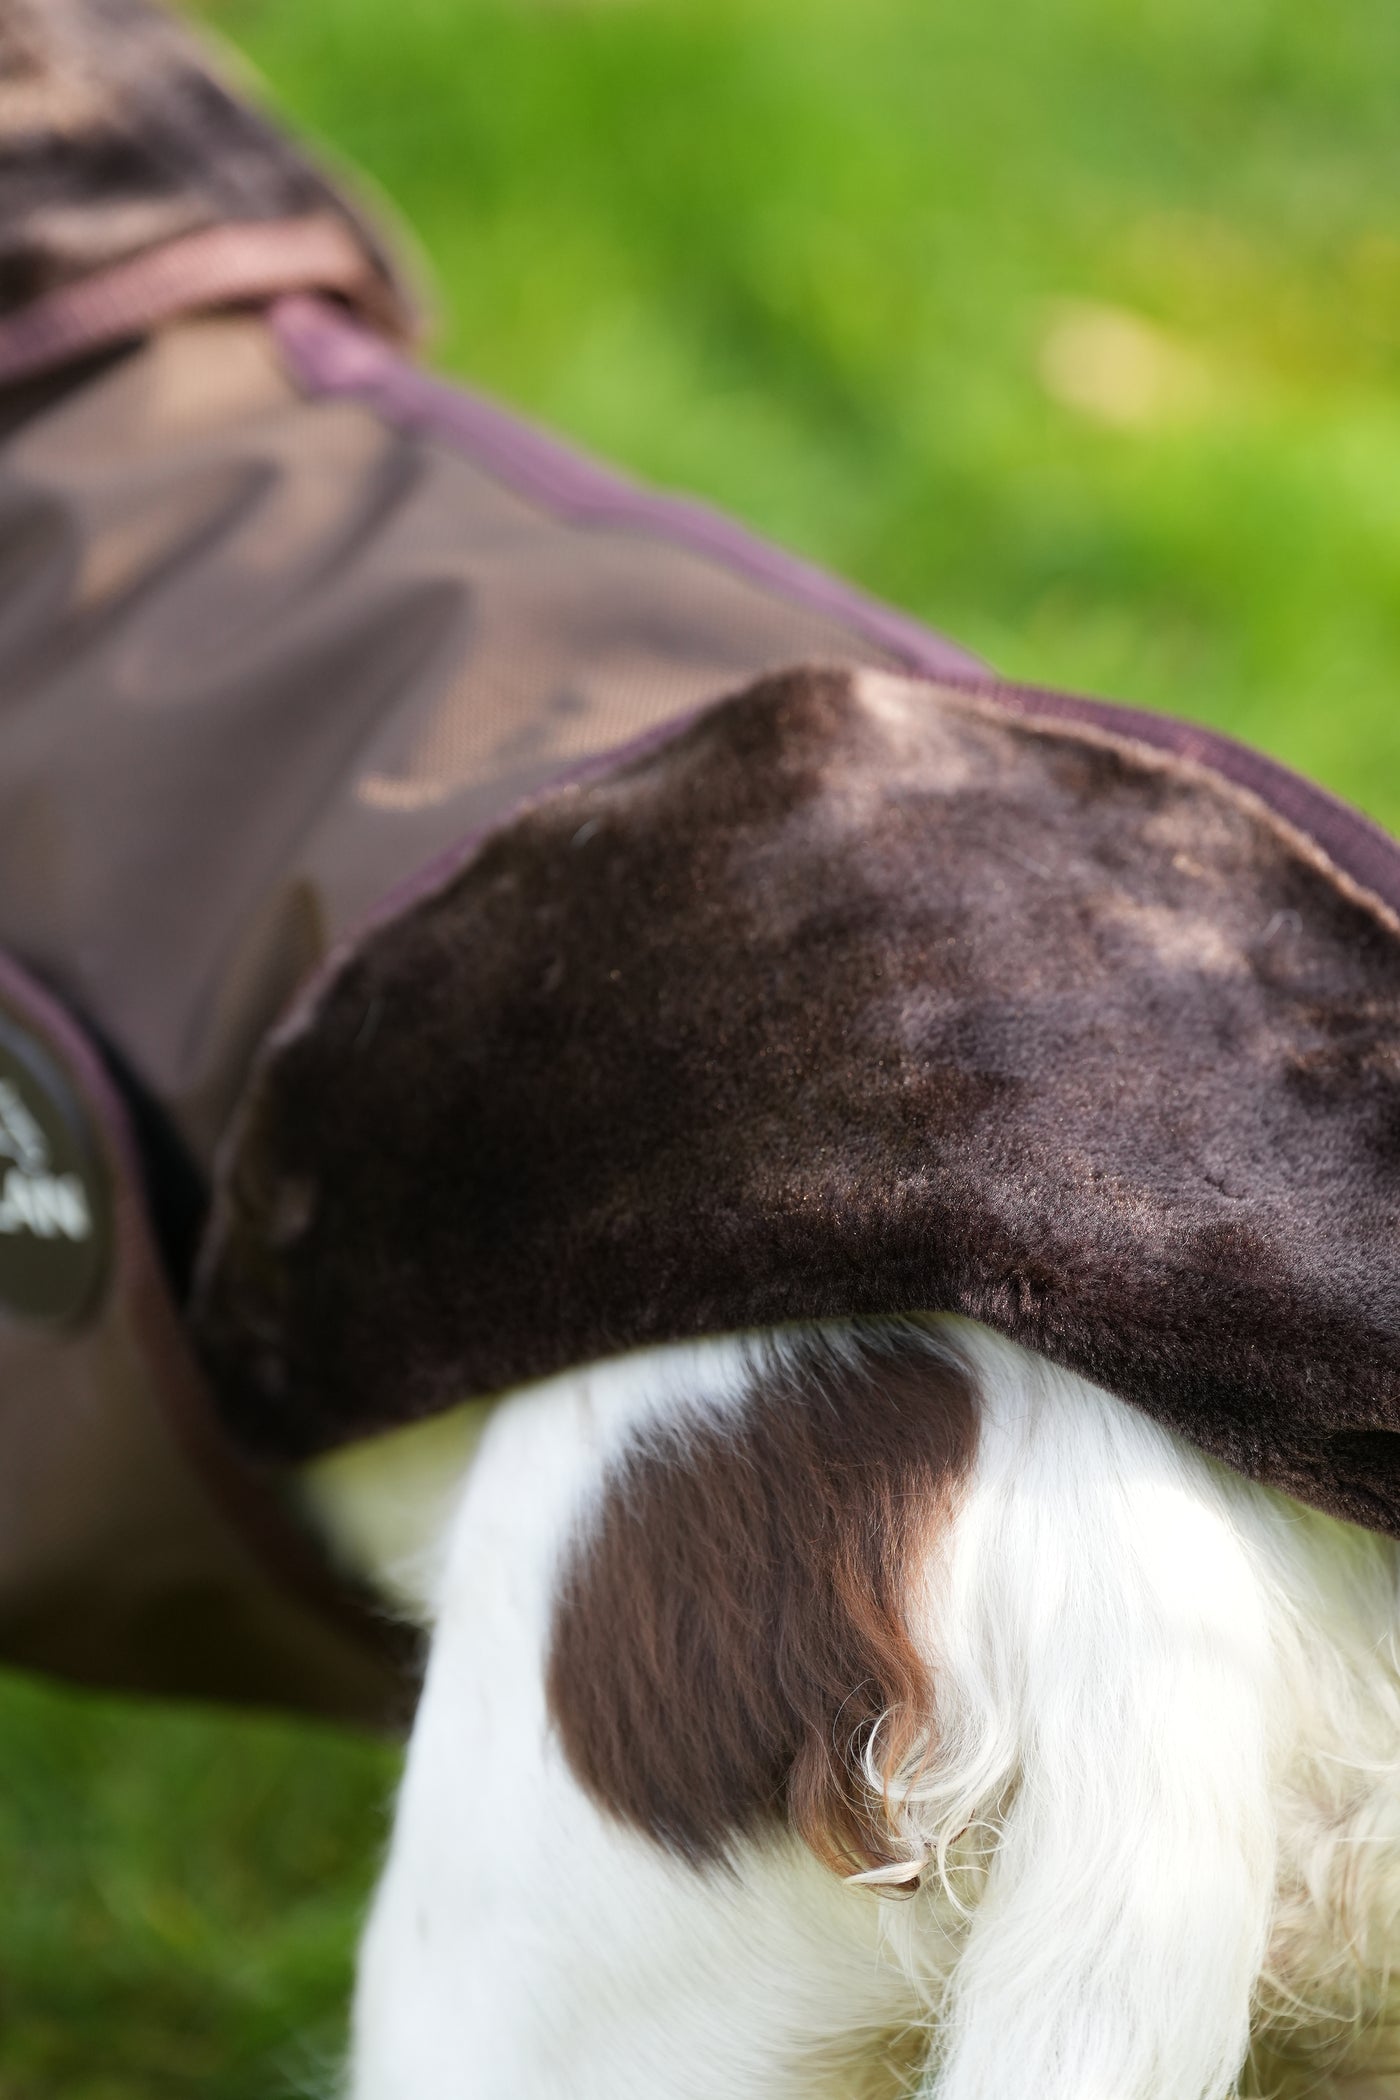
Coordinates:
(731, 1643)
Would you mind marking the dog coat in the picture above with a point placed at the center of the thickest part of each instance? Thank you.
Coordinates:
(462, 916)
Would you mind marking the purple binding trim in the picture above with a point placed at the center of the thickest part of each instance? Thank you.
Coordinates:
(330, 354)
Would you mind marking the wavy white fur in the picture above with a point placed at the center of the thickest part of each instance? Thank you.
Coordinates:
(1160, 1790)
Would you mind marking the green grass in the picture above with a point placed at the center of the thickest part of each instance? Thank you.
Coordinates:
(182, 1892)
(1074, 327)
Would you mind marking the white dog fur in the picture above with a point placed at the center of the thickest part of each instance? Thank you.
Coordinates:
(1159, 1798)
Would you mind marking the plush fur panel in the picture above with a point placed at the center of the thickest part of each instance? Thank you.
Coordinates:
(116, 134)
(860, 996)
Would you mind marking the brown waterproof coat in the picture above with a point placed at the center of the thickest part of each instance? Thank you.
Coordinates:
(375, 854)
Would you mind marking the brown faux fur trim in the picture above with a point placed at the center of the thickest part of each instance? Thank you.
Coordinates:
(762, 1566)
(117, 135)
(859, 996)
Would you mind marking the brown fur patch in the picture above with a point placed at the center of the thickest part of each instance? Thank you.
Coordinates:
(732, 1628)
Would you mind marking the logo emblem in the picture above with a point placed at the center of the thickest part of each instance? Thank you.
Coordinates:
(54, 1225)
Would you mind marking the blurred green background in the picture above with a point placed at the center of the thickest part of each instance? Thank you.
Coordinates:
(1071, 325)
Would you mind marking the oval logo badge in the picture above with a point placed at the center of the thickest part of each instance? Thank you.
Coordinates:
(55, 1229)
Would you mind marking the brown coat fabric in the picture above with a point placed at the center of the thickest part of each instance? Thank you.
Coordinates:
(379, 845)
